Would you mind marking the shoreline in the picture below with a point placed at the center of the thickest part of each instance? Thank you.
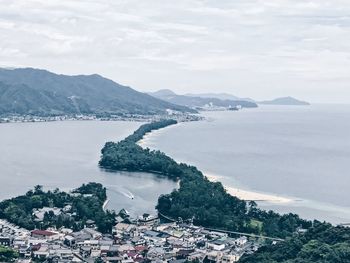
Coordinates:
(242, 194)
(105, 205)
(250, 195)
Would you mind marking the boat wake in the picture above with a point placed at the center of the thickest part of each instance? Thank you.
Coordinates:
(121, 190)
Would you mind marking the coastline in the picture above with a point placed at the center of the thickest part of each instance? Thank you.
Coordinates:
(250, 195)
(234, 191)
(105, 204)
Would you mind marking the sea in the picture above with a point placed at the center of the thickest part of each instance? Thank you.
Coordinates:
(298, 152)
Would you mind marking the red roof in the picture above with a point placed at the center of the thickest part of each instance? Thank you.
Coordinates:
(42, 233)
(140, 248)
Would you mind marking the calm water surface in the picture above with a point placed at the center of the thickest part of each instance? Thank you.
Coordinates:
(65, 155)
(299, 152)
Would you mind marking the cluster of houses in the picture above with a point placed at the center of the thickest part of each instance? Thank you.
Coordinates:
(148, 240)
(179, 116)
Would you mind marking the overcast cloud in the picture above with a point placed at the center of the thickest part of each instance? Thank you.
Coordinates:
(256, 48)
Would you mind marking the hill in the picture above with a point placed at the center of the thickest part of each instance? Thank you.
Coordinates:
(284, 101)
(199, 102)
(34, 91)
(221, 96)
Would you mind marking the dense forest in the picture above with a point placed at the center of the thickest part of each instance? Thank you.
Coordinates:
(207, 203)
(128, 155)
(322, 243)
(83, 203)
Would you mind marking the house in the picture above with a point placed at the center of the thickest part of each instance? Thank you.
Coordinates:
(147, 219)
(126, 248)
(92, 243)
(229, 258)
(184, 253)
(141, 249)
(155, 253)
(196, 256)
(80, 237)
(113, 259)
(69, 241)
(157, 237)
(85, 251)
(178, 261)
(18, 242)
(42, 253)
(93, 233)
(213, 256)
(241, 241)
(62, 253)
(24, 251)
(138, 241)
(123, 228)
(217, 245)
(43, 234)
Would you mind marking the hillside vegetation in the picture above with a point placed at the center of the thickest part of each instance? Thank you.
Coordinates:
(85, 203)
(40, 92)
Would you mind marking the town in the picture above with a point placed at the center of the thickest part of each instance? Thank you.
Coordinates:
(180, 117)
(143, 240)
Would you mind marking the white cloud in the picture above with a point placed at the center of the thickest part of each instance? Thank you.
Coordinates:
(258, 48)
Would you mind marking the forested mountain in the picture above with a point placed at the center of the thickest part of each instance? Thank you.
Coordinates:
(33, 91)
(198, 102)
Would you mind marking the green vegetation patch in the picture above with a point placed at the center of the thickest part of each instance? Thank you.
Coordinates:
(75, 208)
(7, 254)
(322, 243)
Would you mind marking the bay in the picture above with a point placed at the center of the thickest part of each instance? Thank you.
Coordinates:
(65, 155)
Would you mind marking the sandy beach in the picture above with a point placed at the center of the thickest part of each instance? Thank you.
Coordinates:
(250, 195)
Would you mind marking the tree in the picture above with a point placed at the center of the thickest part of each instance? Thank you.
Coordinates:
(7, 254)
(38, 189)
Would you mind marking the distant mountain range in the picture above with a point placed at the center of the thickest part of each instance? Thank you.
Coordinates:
(40, 92)
(221, 96)
(284, 101)
(201, 100)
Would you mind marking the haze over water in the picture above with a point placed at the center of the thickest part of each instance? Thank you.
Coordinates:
(299, 152)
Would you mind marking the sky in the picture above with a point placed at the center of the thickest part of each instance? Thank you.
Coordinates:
(250, 48)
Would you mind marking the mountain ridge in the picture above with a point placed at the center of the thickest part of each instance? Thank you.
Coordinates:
(199, 102)
(221, 96)
(92, 94)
